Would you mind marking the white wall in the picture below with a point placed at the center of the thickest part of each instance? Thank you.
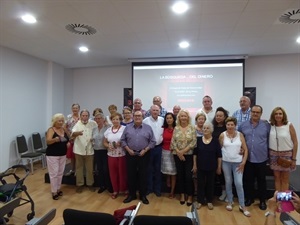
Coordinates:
(101, 87)
(24, 99)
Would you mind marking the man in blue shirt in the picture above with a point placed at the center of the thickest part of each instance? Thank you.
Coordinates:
(137, 139)
(244, 113)
(256, 132)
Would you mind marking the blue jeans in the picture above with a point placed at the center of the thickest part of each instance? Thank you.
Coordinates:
(230, 168)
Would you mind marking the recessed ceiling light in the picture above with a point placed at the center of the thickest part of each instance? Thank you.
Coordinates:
(298, 40)
(29, 18)
(184, 44)
(180, 7)
(83, 49)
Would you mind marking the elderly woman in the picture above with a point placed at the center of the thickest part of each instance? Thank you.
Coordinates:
(127, 113)
(116, 156)
(167, 158)
(200, 119)
(72, 119)
(112, 109)
(207, 162)
(57, 140)
(282, 143)
(182, 144)
(233, 162)
(100, 152)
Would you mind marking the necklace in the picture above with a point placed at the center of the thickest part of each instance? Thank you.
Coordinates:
(114, 132)
(231, 137)
(206, 140)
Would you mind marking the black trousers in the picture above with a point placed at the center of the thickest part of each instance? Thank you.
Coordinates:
(206, 182)
(185, 175)
(137, 167)
(101, 161)
(255, 171)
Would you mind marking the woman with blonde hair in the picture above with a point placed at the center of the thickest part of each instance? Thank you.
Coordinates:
(57, 140)
(182, 144)
(282, 143)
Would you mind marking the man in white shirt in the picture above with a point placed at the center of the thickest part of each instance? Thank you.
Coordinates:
(154, 174)
(207, 108)
(83, 150)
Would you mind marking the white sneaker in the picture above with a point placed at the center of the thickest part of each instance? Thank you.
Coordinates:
(223, 196)
(226, 199)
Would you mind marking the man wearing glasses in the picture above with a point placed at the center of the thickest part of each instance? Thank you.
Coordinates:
(256, 132)
(137, 139)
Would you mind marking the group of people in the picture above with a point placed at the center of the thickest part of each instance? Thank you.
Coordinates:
(132, 151)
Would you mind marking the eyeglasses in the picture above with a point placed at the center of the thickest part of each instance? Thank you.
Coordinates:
(126, 113)
(255, 112)
(137, 115)
(136, 103)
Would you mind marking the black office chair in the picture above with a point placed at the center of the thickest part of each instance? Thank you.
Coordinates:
(37, 145)
(23, 152)
(162, 220)
(78, 217)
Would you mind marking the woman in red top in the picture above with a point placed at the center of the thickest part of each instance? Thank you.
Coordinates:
(167, 159)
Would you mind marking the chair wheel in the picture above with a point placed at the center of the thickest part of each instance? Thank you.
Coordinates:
(10, 213)
(30, 216)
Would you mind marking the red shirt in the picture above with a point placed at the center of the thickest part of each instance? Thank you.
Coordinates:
(167, 137)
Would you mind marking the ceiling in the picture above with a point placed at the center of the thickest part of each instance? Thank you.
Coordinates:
(148, 29)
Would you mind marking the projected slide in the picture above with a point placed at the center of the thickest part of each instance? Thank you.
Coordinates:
(186, 84)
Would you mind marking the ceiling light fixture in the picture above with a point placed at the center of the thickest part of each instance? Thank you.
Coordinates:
(180, 7)
(83, 49)
(298, 40)
(184, 44)
(29, 18)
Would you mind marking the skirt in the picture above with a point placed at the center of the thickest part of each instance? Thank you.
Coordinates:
(167, 163)
(273, 160)
(70, 153)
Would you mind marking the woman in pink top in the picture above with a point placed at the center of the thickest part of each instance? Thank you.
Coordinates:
(167, 159)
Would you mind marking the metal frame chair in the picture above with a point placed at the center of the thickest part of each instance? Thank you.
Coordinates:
(23, 152)
(37, 146)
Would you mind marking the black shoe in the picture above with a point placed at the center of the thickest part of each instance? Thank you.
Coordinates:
(189, 203)
(129, 199)
(158, 194)
(144, 200)
(101, 190)
(262, 205)
(55, 197)
(248, 202)
(60, 193)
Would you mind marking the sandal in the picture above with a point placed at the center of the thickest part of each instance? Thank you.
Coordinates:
(60, 193)
(114, 195)
(244, 211)
(229, 207)
(198, 205)
(55, 196)
(210, 206)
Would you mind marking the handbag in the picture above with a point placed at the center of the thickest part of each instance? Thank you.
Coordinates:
(285, 163)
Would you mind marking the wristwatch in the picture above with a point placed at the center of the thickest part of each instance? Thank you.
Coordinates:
(270, 213)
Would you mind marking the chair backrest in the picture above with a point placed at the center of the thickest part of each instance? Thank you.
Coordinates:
(162, 220)
(78, 217)
(45, 220)
(9, 207)
(21, 144)
(37, 143)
